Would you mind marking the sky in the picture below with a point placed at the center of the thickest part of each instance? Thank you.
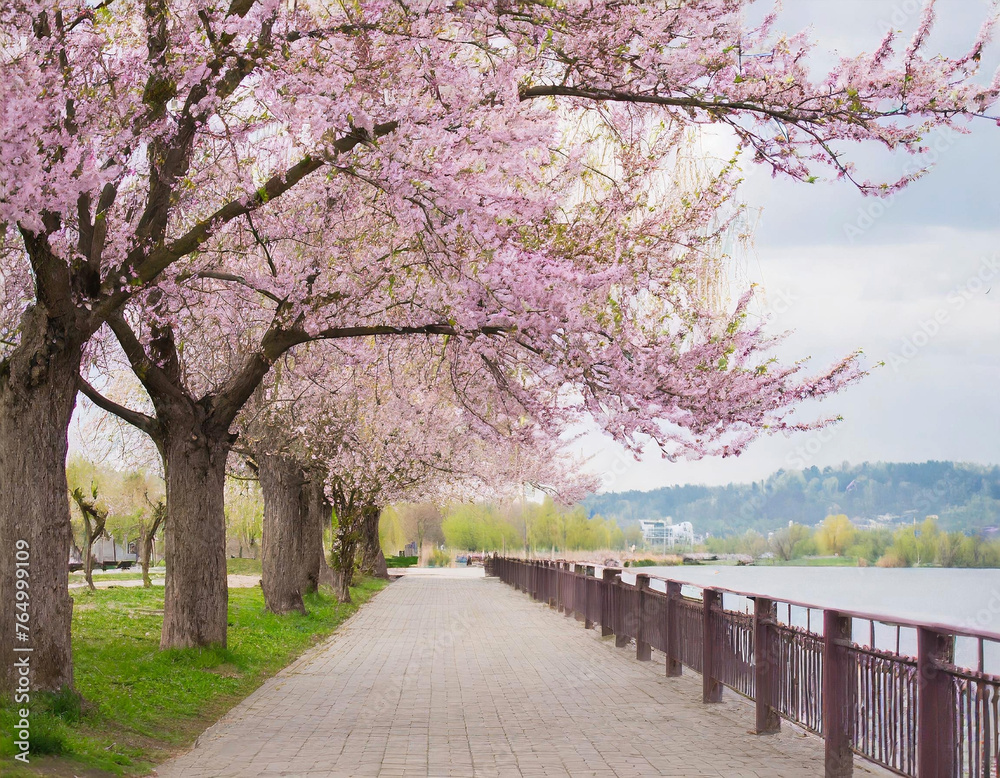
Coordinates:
(913, 281)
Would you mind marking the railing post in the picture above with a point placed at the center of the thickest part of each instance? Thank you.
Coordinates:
(935, 705)
(673, 631)
(765, 665)
(571, 567)
(608, 575)
(559, 588)
(837, 697)
(711, 689)
(589, 573)
(643, 650)
(621, 639)
(553, 580)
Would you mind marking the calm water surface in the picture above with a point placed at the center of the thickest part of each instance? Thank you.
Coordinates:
(966, 600)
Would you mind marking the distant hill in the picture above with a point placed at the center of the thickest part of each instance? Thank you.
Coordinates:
(965, 497)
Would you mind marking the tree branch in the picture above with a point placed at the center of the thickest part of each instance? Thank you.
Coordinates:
(691, 103)
(141, 421)
(153, 378)
(220, 276)
(150, 266)
(227, 402)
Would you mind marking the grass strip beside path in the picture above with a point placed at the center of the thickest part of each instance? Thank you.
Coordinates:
(140, 704)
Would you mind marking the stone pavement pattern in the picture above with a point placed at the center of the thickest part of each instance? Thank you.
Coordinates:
(466, 677)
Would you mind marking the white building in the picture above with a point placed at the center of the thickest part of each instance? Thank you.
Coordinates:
(663, 533)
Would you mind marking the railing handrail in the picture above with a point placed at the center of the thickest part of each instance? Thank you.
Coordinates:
(881, 618)
(919, 715)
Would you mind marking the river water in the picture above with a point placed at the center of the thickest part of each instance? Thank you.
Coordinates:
(964, 600)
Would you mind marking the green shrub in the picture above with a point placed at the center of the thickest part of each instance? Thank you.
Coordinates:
(400, 561)
(644, 563)
(439, 558)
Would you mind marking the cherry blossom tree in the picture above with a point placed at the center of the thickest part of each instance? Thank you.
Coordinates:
(141, 140)
(404, 430)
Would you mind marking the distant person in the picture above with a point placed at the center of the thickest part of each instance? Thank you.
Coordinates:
(468, 561)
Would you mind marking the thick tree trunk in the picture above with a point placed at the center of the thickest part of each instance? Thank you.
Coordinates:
(372, 558)
(285, 513)
(37, 396)
(315, 569)
(327, 575)
(196, 596)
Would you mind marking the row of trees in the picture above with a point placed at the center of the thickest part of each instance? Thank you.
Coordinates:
(544, 526)
(478, 210)
(917, 544)
(965, 496)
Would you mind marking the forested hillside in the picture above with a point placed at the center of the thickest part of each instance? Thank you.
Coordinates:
(965, 497)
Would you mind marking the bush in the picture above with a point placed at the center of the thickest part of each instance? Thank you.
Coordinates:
(400, 561)
(892, 559)
(439, 558)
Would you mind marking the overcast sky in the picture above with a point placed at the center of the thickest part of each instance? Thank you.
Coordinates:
(908, 281)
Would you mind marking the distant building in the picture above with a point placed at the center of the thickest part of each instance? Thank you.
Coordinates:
(663, 533)
(106, 550)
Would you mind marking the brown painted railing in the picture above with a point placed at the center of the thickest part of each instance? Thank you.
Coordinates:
(914, 715)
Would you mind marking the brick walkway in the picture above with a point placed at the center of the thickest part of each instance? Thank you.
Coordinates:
(466, 677)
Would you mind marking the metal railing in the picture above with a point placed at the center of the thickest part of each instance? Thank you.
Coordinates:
(917, 715)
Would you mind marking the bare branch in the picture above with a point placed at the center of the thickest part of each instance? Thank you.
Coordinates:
(141, 421)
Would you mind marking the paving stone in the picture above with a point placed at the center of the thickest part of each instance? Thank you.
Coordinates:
(467, 677)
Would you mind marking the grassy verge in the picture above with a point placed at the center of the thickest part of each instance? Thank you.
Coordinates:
(243, 566)
(815, 561)
(141, 704)
(98, 576)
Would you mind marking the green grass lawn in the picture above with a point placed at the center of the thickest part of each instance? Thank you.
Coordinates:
(243, 566)
(156, 572)
(233, 567)
(141, 704)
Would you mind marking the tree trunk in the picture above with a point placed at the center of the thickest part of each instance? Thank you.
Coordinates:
(285, 512)
(196, 596)
(327, 575)
(92, 529)
(88, 554)
(37, 396)
(159, 512)
(372, 558)
(318, 511)
(345, 544)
